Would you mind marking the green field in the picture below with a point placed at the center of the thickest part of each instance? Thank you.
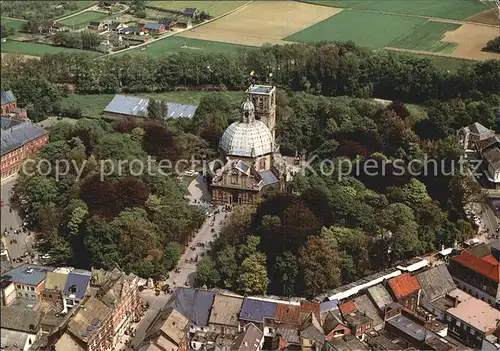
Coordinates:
(213, 8)
(373, 30)
(83, 19)
(179, 44)
(93, 105)
(451, 9)
(15, 24)
(36, 49)
(427, 37)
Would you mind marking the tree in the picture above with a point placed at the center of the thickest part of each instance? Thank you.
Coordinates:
(493, 45)
(319, 266)
(138, 5)
(249, 248)
(100, 242)
(206, 273)
(227, 265)
(287, 270)
(253, 274)
(157, 110)
(172, 254)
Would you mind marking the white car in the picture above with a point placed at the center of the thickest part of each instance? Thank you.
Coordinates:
(46, 257)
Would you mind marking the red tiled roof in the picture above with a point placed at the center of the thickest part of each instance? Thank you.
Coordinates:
(483, 266)
(307, 307)
(287, 314)
(491, 259)
(404, 285)
(347, 307)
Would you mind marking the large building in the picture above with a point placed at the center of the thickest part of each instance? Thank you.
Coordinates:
(477, 271)
(249, 153)
(19, 141)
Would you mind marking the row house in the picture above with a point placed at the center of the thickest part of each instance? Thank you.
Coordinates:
(405, 290)
(28, 281)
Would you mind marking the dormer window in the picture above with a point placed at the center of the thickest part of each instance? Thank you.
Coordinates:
(72, 289)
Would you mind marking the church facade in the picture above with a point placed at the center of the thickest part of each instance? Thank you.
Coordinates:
(249, 153)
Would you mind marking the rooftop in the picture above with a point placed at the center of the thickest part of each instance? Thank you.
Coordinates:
(27, 274)
(479, 265)
(288, 314)
(7, 97)
(477, 314)
(326, 306)
(345, 343)
(153, 26)
(88, 318)
(249, 340)
(77, 283)
(194, 304)
(136, 106)
(20, 319)
(403, 285)
(16, 134)
(436, 282)
(55, 281)
(477, 128)
(410, 328)
(171, 324)
(260, 89)
(366, 307)
(257, 311)
(356, 318)
(225, 310)
(289, 333)
(380, 296)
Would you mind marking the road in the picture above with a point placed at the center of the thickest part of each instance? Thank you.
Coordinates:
(11, 219)
(200, 196)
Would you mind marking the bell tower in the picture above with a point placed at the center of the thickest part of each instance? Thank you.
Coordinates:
(263, 98)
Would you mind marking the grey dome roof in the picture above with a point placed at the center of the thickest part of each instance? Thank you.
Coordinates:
(247, 139)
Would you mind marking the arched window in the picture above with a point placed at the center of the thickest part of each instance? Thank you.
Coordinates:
(262, 163)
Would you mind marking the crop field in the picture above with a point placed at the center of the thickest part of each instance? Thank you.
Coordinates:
(83, 19)
(43, 9)
(373, 30)
(443, 63)
(262, 22)
(175, 44)
(428, 37)
(93, 105)
(450, 9)
(36, 49)
(471, 38)
(213, 8)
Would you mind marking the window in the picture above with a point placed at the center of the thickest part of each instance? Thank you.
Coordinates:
(18, 287)
(234, 179)
(32, 288)
(262, 163)
(50, 296)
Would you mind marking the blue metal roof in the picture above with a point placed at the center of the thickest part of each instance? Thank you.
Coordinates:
(328, 306)
(256, 310)
(153, 26)
(15, 134)
(27, 274)
(190, 11)
(78, 280)
(268, 177)
(136, 106)
(194, 304)
(7, 97)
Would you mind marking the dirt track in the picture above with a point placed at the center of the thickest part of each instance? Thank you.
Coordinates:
(263, 22)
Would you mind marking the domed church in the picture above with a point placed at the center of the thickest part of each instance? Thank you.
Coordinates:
(248, 151)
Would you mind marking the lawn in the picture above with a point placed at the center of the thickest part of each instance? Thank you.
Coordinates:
(80, 5)
(451, 9)
(83, 19)
(93, 105)
(213, 8)
(36, 49)
(427, 37)
(177, 44)
(373, 30)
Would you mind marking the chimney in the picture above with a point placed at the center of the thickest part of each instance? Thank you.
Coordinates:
(455, 301)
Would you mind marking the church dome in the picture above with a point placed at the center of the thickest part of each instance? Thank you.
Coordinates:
(247, 137)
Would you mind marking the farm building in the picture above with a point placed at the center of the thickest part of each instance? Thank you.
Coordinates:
(168, 23)
(98, 25)
(190, 12)
(132, 106)
(116, 26)
(156, 28)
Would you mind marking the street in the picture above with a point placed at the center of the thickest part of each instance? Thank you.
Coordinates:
(10, 219)
(198, 195)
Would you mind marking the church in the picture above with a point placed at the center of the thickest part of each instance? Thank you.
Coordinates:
(251, 158)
